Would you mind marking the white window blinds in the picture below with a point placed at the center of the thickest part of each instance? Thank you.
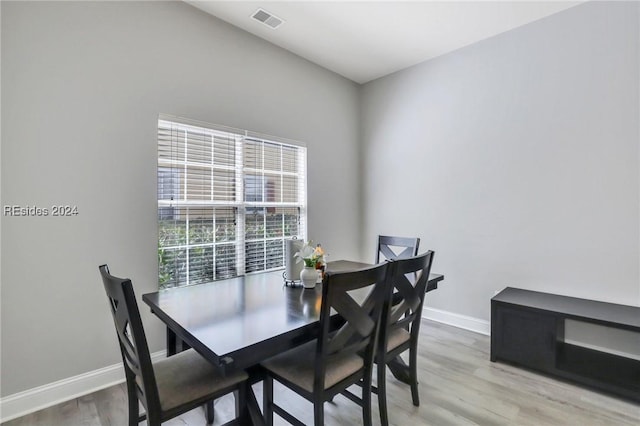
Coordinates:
(226, 202)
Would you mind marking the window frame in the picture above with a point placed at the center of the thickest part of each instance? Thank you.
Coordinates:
(179, 199)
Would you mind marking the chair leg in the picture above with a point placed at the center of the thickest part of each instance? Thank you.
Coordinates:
(153, 419)
(210, 413)
(413, 374)
(238, 403)
(267, 400)
(318, 413)
(382, 394)
(242, 410)
(133, 403)
(366, 401)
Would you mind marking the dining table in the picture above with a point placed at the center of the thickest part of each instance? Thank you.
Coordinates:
(239, 322)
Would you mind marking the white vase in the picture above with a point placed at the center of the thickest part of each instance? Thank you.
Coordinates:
(308, 276)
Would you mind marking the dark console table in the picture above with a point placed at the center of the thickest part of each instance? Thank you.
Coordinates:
(527, 329)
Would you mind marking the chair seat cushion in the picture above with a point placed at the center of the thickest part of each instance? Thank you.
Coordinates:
(187, 377)
(297, 366)
(397, 337)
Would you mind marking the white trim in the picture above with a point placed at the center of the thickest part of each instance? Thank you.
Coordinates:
(31, 400)
(457, 320)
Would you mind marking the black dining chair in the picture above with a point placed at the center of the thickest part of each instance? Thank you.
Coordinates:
(171, 386)
(402, 314)
(322, 368)
(391, 248)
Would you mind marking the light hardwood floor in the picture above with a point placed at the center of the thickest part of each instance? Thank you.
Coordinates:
(458, 386)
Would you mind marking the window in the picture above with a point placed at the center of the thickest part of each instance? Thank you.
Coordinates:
(227, 201)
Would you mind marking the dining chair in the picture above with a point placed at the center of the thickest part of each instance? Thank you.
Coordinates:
(320, 369)
(173, 385)
(391, 248)
(402, 315)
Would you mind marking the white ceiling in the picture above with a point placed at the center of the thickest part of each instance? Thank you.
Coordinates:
(364, 40)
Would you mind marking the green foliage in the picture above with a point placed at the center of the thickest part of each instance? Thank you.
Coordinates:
(203, 240)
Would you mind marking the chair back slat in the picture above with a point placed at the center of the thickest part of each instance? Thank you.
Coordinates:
(392, 248)
(405, 286)
(403, 322)
(131, 337)
(408, 286)
(399, 312)
(358, 298)
(357, 317)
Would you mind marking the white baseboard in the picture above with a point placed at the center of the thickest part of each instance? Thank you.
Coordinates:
(22, 403)
(458, 320)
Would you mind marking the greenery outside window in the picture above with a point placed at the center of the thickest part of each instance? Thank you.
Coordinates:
(227, 201)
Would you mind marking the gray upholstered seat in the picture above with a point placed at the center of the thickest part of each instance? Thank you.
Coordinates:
(297, 366)
(397, 337)
(187, 376)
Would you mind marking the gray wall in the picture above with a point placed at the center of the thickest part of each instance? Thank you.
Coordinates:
(516, 159)
(522, 153)
(82, 87)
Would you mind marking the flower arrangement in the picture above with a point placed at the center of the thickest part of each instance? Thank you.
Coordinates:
(311, 256)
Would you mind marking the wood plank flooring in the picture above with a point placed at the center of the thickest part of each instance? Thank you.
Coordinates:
(459, 386)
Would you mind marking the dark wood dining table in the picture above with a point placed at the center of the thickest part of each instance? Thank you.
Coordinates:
(239, 322)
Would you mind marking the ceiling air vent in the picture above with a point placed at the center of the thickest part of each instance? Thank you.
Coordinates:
(267, 18)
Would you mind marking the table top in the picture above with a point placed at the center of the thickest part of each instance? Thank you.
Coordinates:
(242, 320)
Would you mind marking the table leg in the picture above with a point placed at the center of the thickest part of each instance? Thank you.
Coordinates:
(174, 343)
(400, 370)
(171, 342)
